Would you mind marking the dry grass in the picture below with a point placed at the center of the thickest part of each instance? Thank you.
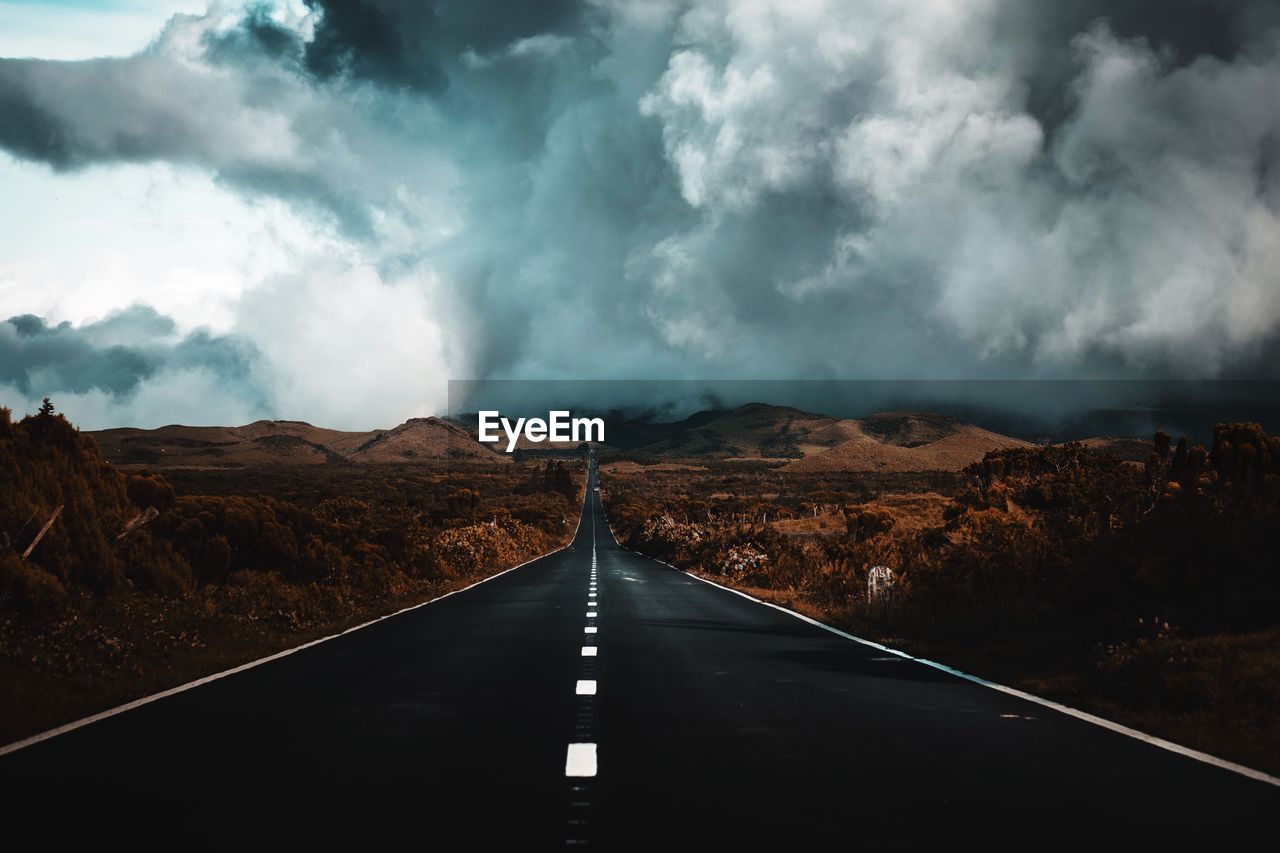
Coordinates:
(629, 467)
(912, 512)
(829, 524)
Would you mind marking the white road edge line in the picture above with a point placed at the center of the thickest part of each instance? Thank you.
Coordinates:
(182, 688)
(1119, 728)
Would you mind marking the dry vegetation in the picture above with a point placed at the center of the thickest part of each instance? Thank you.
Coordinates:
(1144, 591)
(146, 580)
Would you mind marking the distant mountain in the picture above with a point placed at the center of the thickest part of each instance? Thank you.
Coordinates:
(889, 442)
(755, 430)
(290, 443)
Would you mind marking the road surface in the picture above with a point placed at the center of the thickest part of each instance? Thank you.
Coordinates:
(597, 697)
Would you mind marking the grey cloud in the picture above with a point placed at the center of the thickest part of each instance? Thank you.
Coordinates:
(147, 107)
(115, 355)
(261, 129)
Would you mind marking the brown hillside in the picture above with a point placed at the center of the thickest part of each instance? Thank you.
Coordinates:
(891, 442)
(902, 442)
(287, 443)
(420, 439)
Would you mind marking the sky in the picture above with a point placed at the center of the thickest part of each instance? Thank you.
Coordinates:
(326, 209)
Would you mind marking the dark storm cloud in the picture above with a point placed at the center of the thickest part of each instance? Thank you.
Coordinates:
(858, 188)
(114, 355)
(389, 43)
(403, 43)
(1180, 30)
(1187, 28)
(257, 36)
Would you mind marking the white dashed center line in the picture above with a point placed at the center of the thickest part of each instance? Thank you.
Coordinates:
(581, 760)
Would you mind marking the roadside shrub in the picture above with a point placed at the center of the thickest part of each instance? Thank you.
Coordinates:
(27, 588)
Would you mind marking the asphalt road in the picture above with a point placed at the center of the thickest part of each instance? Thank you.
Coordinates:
(715, 722)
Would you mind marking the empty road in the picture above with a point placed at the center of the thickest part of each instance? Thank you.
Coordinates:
(598, 697)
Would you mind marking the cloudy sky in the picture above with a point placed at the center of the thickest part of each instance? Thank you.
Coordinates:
(324, 209)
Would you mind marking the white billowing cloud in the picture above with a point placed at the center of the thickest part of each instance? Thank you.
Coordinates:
(1179, 251)
(79, 247)
(870, 93)
(1143, 228)
(1155, 231)
(345, 342)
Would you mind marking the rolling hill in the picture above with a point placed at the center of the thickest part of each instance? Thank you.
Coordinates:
(888, 442)
(289, 443)
(422, 439)
(894, 442)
